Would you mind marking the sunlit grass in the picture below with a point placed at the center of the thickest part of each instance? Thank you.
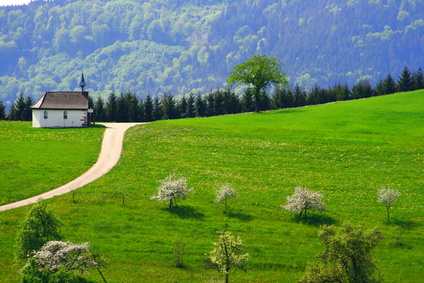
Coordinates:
(345, 150)
(35, 160)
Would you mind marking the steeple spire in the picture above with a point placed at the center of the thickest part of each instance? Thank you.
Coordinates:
(82, 84)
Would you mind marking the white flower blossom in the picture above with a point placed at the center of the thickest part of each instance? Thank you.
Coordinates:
(303, 200)
(55, 255)
(171, 189)
(227, 254)
(224, 193)
(388, 197)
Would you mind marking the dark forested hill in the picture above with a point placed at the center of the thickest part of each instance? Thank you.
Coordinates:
(179, 46)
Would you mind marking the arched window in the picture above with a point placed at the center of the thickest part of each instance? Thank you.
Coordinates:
(46, 115)
(65, 115)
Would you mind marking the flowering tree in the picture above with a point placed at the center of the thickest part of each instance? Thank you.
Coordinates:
(303, 200)
(388, 197)
(227, 254)
(57, 257)
(224, 193)
(172, 188)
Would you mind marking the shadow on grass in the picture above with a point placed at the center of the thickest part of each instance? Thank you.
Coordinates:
(404, 224)
(185, 212)
(316, 220)
(240, 216)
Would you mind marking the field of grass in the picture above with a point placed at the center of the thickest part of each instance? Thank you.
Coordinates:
(36, 160)
(345, 150)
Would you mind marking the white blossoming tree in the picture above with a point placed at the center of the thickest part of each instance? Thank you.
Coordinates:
(388, 197)
(63, 258)
(227, 254)
(172, 188)
(303, 200)
(223, 194)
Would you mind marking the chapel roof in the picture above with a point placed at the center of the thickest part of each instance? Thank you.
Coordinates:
(75, 100)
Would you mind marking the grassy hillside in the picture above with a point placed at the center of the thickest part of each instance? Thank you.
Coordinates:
(36, 160)
(345, 150)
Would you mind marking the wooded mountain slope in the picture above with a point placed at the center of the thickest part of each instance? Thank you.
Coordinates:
(156, 46)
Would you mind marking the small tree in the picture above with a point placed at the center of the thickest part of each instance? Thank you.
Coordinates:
(57, 257)
(178, 247)
(347, 256)
(172, 188)
(223, 194)
(388, 197)
(303, 200)
(36, 229)
(227, 254)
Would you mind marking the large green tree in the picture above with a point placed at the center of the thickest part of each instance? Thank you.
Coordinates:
(347, 256)
(258, 73)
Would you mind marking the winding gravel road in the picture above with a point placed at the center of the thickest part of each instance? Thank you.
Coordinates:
(109, 156)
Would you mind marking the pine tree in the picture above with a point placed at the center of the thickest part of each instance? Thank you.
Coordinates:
(405, 80)
(418, 79)
(148, 108)
(389, 85)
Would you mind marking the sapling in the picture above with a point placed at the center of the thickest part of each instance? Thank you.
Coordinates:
(223, 194)
(227, 254)
(388, 197)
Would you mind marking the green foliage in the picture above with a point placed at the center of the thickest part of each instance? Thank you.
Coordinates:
(345, 150)
(39, 227)
(158, 47)
(258, 72)
(347, 256)
(228, 254)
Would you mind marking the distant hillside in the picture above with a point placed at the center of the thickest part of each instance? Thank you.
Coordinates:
(155, 46)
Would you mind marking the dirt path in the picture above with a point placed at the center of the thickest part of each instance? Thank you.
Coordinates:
(109, 156)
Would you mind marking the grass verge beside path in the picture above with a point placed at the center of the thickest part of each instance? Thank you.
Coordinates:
(36, 160)
(345, 150)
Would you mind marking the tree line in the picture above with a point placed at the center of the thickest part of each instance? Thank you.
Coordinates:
(128, 107)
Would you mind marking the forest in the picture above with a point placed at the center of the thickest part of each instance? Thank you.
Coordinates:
(156, 47)
(127, 107)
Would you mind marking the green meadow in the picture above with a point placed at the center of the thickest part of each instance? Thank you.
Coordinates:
(346, 150)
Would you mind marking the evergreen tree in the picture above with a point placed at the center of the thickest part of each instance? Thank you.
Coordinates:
(340, 92)
(405, 80)
(418, 79)
(362, 89)
(99, 112)
(200, 106)
(389, 85)
(111, 108)
(157, 109)
(17, 111)
(210, 109)
(247, 101)
(168, 107)
(190, 106)
(2, 111)
(218, 103)
(148, 108)
(182, 107)
(299, 96)
(380, 88)
(27, 114)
